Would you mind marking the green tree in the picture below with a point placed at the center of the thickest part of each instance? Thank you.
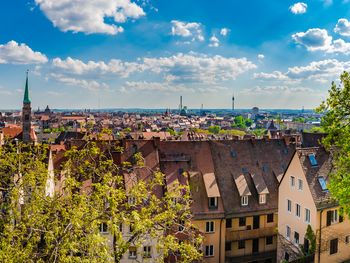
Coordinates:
(214, 129)
(336, 124)
(92, 192)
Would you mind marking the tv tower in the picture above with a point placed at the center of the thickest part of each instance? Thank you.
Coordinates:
(233, 102)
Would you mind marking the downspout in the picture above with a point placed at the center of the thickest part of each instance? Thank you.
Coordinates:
(220, 240)
(320, 238)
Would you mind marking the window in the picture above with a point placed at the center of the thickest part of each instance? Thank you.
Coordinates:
(181, 225)
(103, 228)
(244, 200)
(147, 252)
(347, 239)
(244, 170)
(292, 181)
(312, 160)
(209, 227)
(228, 223)
(323, 183)
(242, 221)
(269, 218)
(132, 253)
(131, 200)
(307, 215)
(288, 232)
(306, 245)
(228, 246)
(333, 248)
(332, 217)
(209, 251)
(296, 237)
(289, 206)
(300, 184)
(131, 227)
(297, 210)
(269, 240)
(241, 244)
(262, 198)
(286, 256)
(213, 202)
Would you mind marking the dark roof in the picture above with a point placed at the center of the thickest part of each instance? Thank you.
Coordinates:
(265, 158)
(313, 172)
(69, 135)
(310, 139)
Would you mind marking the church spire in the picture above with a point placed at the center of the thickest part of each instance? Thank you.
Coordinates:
(26, 98)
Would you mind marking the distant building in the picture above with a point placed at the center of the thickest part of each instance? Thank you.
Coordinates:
(26, 115)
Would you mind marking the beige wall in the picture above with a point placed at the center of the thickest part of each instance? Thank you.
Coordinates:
(213, 239)
(303, 198)
(335, 230)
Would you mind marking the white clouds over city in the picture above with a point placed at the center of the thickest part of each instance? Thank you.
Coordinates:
(89, 16)
(15, 53)
(192, 30)
(298, 8)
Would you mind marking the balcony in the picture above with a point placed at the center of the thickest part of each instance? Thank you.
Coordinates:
(250, 234)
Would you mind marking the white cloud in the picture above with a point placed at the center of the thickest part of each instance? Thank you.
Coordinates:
(76, 66)
(318, 39)
(89, 16)
(91, 85)
(214, 41)
(275, 75)
(224, 31)
(343, 27)
(15, 53)
(179, 68)
(261, 56)
(314, 39)
(298, 8)
(184, 29)
(152, 86)
(275, 90)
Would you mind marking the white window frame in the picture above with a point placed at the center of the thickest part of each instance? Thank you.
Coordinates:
(101, 228)
(335, 216)
(209, 227)
(292, 181)
(288, 232)
(262, 199)
(300, 184)
(215, 202)
(307, 215)
(297, 211)
(289, 207)
(147, 252)
(244, 200)
(296, 241)
(133, 254)
(131, 200)
(209, 250)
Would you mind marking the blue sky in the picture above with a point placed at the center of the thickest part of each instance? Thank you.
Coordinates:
(146, 53)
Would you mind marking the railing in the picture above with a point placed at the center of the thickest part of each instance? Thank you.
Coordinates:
(249, 234)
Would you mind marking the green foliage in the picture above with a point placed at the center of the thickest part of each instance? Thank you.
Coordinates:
(214, 129)
(241, 122)
(299, 119)
(258, 132)
(171, 131)
(49, 130)
(310, 235)
(232, 132)
(92, 190)
(316, 130)
(336, 123)
(127, 130)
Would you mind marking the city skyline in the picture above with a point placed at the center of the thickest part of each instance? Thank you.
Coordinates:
(145, 54)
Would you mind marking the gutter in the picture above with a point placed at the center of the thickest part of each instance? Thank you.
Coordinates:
(220, 240)
(320, 239)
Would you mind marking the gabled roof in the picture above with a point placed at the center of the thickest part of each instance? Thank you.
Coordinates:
(241, 185)
(259, 184)
(211, 186)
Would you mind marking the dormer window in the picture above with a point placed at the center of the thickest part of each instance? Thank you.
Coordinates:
(213, 202)
(313, 160)
(262, 199)
(244, 200)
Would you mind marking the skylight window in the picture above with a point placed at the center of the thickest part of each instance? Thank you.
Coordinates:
(323, 183)
(313, 160)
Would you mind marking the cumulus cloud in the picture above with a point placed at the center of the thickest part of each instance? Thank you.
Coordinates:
(343, 27)
(214, 41)
(224, 31)
(91, 85)
(189, 30)
(318, 39)
(179, 68)
(14, 53)
(90, 16)
(275, 75)
(314, 39)
(298, 8)
(275, 90)
(152, 86)
(261, 56)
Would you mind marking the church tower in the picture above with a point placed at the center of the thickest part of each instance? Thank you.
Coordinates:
(26, 114)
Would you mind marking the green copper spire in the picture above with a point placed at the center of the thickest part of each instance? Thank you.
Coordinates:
(26, 98)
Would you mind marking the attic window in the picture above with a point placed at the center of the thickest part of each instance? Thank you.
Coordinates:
(323, 183)
(233, 154)
(244, 170)
(265, 168)
(313, 160)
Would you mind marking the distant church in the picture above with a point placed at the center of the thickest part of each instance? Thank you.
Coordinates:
(26, 115)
